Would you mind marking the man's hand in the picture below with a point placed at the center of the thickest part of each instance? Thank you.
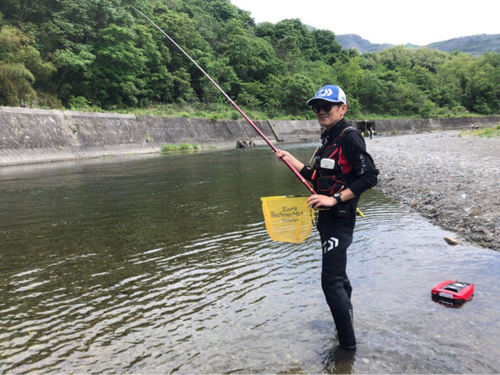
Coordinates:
(317, 201)
(285, 155)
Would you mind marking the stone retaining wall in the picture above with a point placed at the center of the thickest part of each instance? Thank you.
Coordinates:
(38, 135)
(405, 126)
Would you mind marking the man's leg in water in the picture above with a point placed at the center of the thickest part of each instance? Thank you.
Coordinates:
(335, 239)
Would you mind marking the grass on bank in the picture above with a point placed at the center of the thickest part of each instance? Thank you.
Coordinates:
(213, 112)
(183, 147)
(225, 111)
(483, 133)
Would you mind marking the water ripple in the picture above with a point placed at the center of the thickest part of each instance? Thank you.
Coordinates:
(119, 285)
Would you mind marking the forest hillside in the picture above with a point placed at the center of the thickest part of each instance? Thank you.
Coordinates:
(102, 55)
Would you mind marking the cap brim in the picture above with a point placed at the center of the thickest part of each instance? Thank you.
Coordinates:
(312, 101)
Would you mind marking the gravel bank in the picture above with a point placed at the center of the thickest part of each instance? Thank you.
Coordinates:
(450, 179)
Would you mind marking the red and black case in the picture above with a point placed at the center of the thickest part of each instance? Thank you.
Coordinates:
(453, 291)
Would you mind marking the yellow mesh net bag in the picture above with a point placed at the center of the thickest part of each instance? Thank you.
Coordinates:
(288, 219)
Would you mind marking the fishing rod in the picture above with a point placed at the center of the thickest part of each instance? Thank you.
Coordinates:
(230, 101)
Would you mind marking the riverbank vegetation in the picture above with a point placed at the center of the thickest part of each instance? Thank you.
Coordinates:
(490, 132)
(101, 55)
(183, 147)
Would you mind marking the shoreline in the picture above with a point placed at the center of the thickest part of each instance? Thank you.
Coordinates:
(449, 179)
(29, 136)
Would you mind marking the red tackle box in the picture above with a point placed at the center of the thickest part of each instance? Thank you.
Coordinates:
(453, 291)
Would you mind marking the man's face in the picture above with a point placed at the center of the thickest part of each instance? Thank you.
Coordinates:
(330, 118)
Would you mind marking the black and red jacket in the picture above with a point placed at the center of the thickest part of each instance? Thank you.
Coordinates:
(353, 168)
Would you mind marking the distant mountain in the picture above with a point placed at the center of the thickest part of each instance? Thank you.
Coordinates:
(475, 44)
(362, 45)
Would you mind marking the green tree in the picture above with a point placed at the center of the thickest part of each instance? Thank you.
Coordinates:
(372, 92)
(251, 58)
(427, 58)
(20, 12)
(393, 58)
(348, 73)
(223, 74)
(293, 43)
(73, 65)
(457, 75)
(127, 68)
(20, 66)
(288, 94)
(328, 47)
(222, 10)
(320, 73)
(183, 31)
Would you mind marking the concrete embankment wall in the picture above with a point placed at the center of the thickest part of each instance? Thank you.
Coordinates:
(427, 125)
(37, 135)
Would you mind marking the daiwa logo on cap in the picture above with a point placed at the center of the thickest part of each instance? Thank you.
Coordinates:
(329, 93)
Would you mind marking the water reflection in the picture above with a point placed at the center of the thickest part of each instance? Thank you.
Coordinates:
(163, 264)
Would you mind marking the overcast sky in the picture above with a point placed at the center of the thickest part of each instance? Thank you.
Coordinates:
(385, 21)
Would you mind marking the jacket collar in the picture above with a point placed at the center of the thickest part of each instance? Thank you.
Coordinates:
(334, 131)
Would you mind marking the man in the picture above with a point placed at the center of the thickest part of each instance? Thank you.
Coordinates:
(342, 171)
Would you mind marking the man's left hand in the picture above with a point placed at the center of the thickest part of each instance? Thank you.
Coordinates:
(316, 201)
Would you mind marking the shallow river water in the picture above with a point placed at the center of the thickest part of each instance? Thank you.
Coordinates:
(161, 264)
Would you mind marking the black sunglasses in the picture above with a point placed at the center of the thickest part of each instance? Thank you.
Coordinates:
(326, 107)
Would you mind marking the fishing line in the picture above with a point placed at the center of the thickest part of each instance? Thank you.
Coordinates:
(302, 179)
